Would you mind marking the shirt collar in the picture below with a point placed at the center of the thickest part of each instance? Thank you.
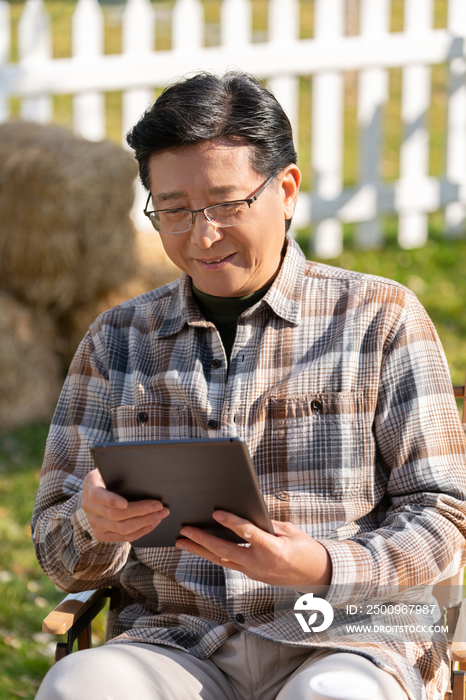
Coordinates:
(283, 297)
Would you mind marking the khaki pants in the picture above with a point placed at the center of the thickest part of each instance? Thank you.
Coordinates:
(244, 668)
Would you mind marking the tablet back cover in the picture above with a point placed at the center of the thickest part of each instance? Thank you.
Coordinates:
(192, 478)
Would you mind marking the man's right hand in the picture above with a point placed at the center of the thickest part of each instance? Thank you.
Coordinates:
(114, 519)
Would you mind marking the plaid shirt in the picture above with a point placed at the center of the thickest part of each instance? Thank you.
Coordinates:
(339, 385)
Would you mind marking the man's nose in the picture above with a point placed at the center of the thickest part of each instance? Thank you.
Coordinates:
(203, 232)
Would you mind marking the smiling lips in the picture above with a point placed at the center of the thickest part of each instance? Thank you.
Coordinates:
(214, 264)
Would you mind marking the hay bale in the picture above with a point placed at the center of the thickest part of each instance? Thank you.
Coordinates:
(29, 366)
(155, 267)
(66, 237)
(154, 270)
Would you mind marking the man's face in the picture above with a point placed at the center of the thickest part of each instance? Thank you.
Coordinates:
(229, 261)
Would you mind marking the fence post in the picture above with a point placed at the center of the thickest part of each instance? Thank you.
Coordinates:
(414, 152)
(4, 53)
(283, 28)
(235, 23)
(138, 38)
(455, 212)
(188, 26)
(327, 127)
(87, 42)
(35, 45)
(372, 95)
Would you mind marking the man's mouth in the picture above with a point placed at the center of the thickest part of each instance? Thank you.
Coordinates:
(215, 261)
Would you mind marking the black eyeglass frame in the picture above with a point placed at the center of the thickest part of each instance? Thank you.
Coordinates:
(248, 201)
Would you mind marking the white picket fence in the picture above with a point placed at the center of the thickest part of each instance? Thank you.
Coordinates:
(280, 59)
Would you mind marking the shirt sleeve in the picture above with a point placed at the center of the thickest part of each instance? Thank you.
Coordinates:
(422, 448)
(65, 546)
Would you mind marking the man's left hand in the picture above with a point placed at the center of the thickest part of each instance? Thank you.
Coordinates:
(291, 558)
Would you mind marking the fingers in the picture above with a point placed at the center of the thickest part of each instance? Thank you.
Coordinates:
(96, 493)
(213, 548)
(290, 558)
(97, 499)
(126, 530)
(284, 528)
(245, 529)
(218, 550)
(136, 509)
(114, 519)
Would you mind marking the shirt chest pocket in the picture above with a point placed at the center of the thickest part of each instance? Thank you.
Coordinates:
(323, 446)
(152, 422)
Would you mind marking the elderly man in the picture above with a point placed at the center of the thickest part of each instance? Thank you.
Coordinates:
(336, 380)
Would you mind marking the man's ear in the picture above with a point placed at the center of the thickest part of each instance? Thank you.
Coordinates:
(290, 179)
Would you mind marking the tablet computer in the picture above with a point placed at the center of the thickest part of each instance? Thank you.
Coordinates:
(192, 478)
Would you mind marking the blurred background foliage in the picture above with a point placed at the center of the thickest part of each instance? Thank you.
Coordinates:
(435, 272)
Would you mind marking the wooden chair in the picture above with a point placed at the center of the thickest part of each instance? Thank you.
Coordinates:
(74, 615)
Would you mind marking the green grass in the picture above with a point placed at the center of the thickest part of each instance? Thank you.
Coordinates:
(26, 594)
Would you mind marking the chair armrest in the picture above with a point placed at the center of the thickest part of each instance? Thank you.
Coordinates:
(71, 609)
(451, 619)
(458, 642)
(460, 393)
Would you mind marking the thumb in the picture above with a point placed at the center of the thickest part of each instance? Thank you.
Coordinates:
(94, 489)
(94, 480)
(285, 528)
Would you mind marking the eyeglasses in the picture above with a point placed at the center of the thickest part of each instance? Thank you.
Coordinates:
(223, 214)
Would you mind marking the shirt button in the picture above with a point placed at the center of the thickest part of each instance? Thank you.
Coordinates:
(215, 364)
(316, 405)
(212, 424)
(240, 618)
(87, 535)
(142, 417)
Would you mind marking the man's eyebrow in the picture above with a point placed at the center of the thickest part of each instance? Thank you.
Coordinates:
(167, 196)
(225, 191)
